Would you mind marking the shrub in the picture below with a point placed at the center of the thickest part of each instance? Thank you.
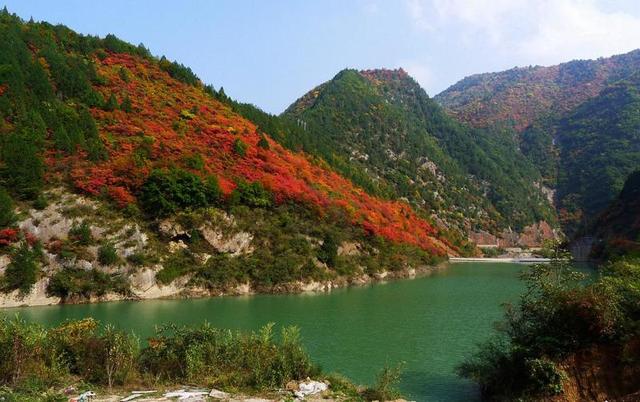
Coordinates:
(7, 217)
(72, 282)
(176, 265)
(262, 142)
(21, 350)
(166, 192)
(240, 147)
(328, 251)
(81, 233)
(124, 74)
(252, 195)
(40, 202)
(22, 273)
(111, 104)
(137, 259)
(194, 161)
(225, 358)
(120, 353)
(222, 271)
(126, 106)
(560, 314)
(107, 254)
(384, 388)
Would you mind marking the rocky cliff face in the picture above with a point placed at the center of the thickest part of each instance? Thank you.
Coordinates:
(197, 244)
(532, 236)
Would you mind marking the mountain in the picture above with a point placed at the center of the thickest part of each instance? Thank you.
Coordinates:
(523, 95)
(617, 229)
(577, 122)
(599, 146)
(383, 124)
(171, 183)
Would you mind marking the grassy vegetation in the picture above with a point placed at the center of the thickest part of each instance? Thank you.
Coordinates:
(34, 360)
(289, 244)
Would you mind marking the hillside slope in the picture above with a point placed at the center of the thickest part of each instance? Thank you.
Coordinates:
(617, 229)
(523, 95)
(383, 123)
(599, 146)
(577, 122)
(184, 193)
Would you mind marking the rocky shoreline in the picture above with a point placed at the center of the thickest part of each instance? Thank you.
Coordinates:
(38, 295)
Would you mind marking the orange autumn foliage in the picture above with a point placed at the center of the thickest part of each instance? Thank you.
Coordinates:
(170, 119)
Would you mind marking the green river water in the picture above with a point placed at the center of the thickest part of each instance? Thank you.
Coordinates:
(430, 323)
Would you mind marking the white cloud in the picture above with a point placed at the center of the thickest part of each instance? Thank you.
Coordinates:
(582, 30)
(533, 31)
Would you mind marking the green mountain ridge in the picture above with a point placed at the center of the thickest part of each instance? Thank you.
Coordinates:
(384, 123)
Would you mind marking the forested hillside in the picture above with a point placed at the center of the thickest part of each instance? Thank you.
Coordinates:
(381, 123)
(145, 141)
(617, 229)
(599, 146)
(521, 96)
(577, 122)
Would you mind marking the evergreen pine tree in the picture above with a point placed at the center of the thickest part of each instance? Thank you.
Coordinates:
(7, 217)
(61, 140)
(126, 104)
(112, 104)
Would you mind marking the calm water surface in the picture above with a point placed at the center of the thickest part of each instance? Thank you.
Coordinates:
(430, 323)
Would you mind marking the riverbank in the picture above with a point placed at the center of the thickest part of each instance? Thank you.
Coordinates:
(81, 250)
(145, 287)
(504, 260)
(84, 360)
(428, 323)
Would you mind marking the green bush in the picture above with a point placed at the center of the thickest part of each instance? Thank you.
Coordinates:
(120, 354)
(81, 233)
(175, 266)
(138, 259)
(76, 282)
(240, 147)
(23, 270)
(223, 271)
(384, 388)
(107, 254)
(40, 202)
(168, 191)
(560, 314)
(227, 359)
(126, 106)
(34, 359)
(262, 142)
(7, 216)
(22, 351)
(111, 104)
(328, 251)
(252, 195)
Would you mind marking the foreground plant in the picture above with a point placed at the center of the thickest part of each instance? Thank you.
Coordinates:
(562, 314)
(34, 360)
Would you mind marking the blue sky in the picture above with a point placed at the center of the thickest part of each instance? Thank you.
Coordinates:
(270, 52)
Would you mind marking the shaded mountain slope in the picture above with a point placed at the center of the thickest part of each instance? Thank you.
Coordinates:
(617, 229)
(599, 146)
